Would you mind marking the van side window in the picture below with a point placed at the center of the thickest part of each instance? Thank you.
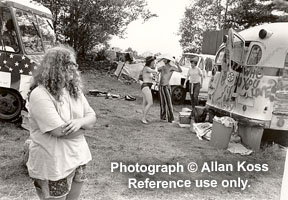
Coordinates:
(8, 34)
(255, 55)
(29, 32)
(47, 31)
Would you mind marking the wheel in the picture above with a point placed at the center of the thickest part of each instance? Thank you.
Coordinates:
(11, 104)
(178, 94)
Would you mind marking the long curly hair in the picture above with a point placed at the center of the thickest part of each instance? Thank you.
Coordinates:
(53, 73)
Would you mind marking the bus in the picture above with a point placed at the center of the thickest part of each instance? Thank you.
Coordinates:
(26, 33)
(250, 81)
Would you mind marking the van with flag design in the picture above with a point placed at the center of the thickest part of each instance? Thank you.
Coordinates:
(26, 33)
(250, 81)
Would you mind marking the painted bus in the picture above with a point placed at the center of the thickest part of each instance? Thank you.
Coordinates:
(26, 33)
(250, 81)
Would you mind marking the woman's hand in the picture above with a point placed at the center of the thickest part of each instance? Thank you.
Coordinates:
(71, 126)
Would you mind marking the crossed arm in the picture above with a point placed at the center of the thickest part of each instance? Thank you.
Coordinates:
(45, 115)
(74, 128)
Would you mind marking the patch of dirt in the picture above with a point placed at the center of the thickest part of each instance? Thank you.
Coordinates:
(119, 136)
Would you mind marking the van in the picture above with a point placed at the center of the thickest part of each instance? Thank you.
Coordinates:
(250, 81)
(26, 33)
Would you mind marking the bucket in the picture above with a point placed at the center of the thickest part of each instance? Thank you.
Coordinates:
(220, 136)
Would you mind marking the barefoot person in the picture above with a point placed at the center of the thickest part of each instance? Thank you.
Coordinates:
(166, 71)
(147, 74)
(58, 113)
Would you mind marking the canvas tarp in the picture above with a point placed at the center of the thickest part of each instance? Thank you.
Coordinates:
(132, 70)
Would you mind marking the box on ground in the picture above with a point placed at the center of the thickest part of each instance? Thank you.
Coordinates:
(184, 117)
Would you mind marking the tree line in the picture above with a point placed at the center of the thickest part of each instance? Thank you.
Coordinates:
(86, 24)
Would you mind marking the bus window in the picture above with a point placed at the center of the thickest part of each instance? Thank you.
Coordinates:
(29, 32)
(8, 33)
(237, 49)
(47, 31)
(255, 55)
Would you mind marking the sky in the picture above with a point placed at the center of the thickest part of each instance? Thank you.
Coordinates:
(158, 34)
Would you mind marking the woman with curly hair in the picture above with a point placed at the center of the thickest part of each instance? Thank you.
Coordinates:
(58, 113)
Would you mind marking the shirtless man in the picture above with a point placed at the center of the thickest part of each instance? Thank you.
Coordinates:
(147, 74)
(166, 107)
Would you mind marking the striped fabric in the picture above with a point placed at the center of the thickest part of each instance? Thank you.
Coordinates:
(166, 107)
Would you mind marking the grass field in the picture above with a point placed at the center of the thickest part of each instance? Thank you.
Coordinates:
(119, 136)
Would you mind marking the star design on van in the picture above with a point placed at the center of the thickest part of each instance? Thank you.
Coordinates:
(11, 56)
(5, 62)
(20, 71)
(26, 65)
(23, 57)
(10, 69)
(16, 64)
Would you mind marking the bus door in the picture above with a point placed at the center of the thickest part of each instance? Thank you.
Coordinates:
(229, 64)
(257, 84)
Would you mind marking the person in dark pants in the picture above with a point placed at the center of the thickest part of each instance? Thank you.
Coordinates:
(195, 76)
(166, 107)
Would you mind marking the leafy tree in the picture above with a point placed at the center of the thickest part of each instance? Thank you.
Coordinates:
(246, 13)
(206, 15)
(199, 17)
(86, 23)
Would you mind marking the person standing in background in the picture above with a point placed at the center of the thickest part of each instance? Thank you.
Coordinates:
(166, 71)
(195, 76)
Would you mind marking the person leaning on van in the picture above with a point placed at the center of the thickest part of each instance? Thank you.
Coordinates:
(195, 76)
(58, 113)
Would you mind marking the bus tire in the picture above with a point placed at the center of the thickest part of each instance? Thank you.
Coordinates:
(11, 104)
(178, 94)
